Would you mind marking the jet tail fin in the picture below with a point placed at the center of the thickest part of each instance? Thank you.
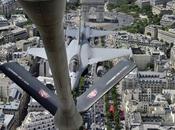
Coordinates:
(104, 84)
(31, 85)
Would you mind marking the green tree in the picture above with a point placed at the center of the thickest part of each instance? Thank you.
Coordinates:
(147, 10)
(124, 6)
(116, 99)
(138, 26)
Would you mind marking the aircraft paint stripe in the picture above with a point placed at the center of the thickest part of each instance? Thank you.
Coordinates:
(115, 76)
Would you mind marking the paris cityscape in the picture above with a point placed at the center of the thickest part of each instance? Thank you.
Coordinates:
(115, 57)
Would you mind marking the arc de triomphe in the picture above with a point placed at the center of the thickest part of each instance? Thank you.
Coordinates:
(98, 4)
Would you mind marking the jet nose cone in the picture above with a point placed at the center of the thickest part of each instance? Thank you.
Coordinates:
(73, 83)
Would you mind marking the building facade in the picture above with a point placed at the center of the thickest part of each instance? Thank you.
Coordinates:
(158, 2)
(38, 121)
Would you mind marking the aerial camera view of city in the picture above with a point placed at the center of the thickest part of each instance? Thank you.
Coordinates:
(87, 65)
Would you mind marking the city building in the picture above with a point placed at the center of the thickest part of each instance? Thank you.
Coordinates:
(23, 45)
(160, 65)
(145, 95)
(99, 5)
(148, 100)
(130, 81)
(155, 81)
(141, 58)
(4, 88)
(138, 121)
(152, 31)
(171, 5)
(7, 37)
(32, 30)
(3, 21)
(19, 33)
(156, 54)
(170, 94)
(34, 106)
(44, 68)
(158, 2)
(15, 92)
(166, 36)
(142, 3)
(161, 10)
(159, 45)
(19, 19)
(38, 121)
(8, 6)
(172, 57)
(7, 28)
(168, 21)
(10, 107)
(72, 1)
(6, 121)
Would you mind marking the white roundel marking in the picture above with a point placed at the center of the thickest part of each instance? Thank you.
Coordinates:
(43, 93)
(92, 94)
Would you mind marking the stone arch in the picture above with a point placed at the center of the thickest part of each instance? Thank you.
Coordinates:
(98, 4)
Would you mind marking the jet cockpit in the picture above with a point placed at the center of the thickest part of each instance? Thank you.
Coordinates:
(74, 64)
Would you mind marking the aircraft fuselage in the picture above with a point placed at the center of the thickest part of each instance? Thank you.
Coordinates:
(78, 63)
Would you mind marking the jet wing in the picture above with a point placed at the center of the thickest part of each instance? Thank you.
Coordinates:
(71, 50)
(104, 84)
(72, 33)
(103, 54)
(31, 85)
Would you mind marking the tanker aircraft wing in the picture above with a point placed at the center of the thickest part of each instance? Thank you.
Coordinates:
(49, 100)
(104, 84)
(31, 85)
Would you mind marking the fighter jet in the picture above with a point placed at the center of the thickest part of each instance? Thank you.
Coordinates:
(80, 54)
(48, 17)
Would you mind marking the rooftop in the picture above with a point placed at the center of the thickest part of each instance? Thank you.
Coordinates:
(137, 51)
(2, 18)
(8, 119)
(14, 105)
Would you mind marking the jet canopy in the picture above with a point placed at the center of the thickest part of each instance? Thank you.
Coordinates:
(74, 64)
